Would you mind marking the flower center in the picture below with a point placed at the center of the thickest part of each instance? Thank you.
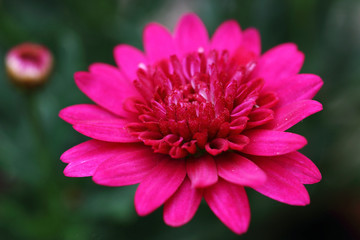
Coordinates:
(31, 58)
(202, 102)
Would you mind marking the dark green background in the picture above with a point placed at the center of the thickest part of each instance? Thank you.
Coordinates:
(38, 202)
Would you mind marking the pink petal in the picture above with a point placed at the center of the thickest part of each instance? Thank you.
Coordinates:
(158, 42)
(278, 64)
(300, 166)
(88, 148)
(251, 40)
(243, 109)
(272, 143)
(227, 36)
(289, 115)
(259, 117)
(237, 142)
(191, 34)
(237, 125)
(239, 170)
(128, 167)
(128, 59)
(230, 204)
(94, 121)
(105, 90)
(159, 185)
(91, 147)
(112, 131)
(181, 207)
(87, 156)
(83, 113)
(217, 146)
(78, 150)
(104, 70)
(112, 72)
(202, 171)
(298, 87)
(84, 168)
(281, 184)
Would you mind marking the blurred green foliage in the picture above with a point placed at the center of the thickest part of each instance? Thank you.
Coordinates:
(38, 202)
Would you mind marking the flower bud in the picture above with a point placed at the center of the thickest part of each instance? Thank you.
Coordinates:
(28, 64)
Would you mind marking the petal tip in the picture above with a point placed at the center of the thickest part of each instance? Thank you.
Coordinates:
(65, 157)
(69, 171)
(190, 16)
(62, 114)
(140, 209)
(79, 75)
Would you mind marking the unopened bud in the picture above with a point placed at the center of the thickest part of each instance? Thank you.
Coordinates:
(29, 64)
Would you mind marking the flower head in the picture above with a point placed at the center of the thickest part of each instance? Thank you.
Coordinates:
(29, 64)
(193, 117)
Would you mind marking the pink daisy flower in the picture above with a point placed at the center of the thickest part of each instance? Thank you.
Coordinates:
(29, 64)
(192, 118)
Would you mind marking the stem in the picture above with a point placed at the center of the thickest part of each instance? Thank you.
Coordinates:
(49, 193)
(38, 133)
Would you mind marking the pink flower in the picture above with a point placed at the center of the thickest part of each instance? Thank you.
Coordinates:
(29, 64)
(193, 117)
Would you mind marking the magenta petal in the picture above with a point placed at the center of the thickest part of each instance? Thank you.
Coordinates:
(159, 185)
(87, 156)
(105, 90)
(84, 168)
(83, 113)
(281, 184)
(300, 166)
(259, 117)
(278, 64)
(299, 87)
(227, 37)
(158, 42)
(191, 34)
(289, 115)
(128, 58)
(230, 204)
(217, 146)
(238, 142)
(106, 131)
(202, 171)
(251, 40)
(239, 170)
(181, 207)
(88, 148)
(129, 166)
(272, 143)
(113, 73)
(95, 122)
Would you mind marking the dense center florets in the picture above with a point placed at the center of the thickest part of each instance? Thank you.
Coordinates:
(199, 102)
